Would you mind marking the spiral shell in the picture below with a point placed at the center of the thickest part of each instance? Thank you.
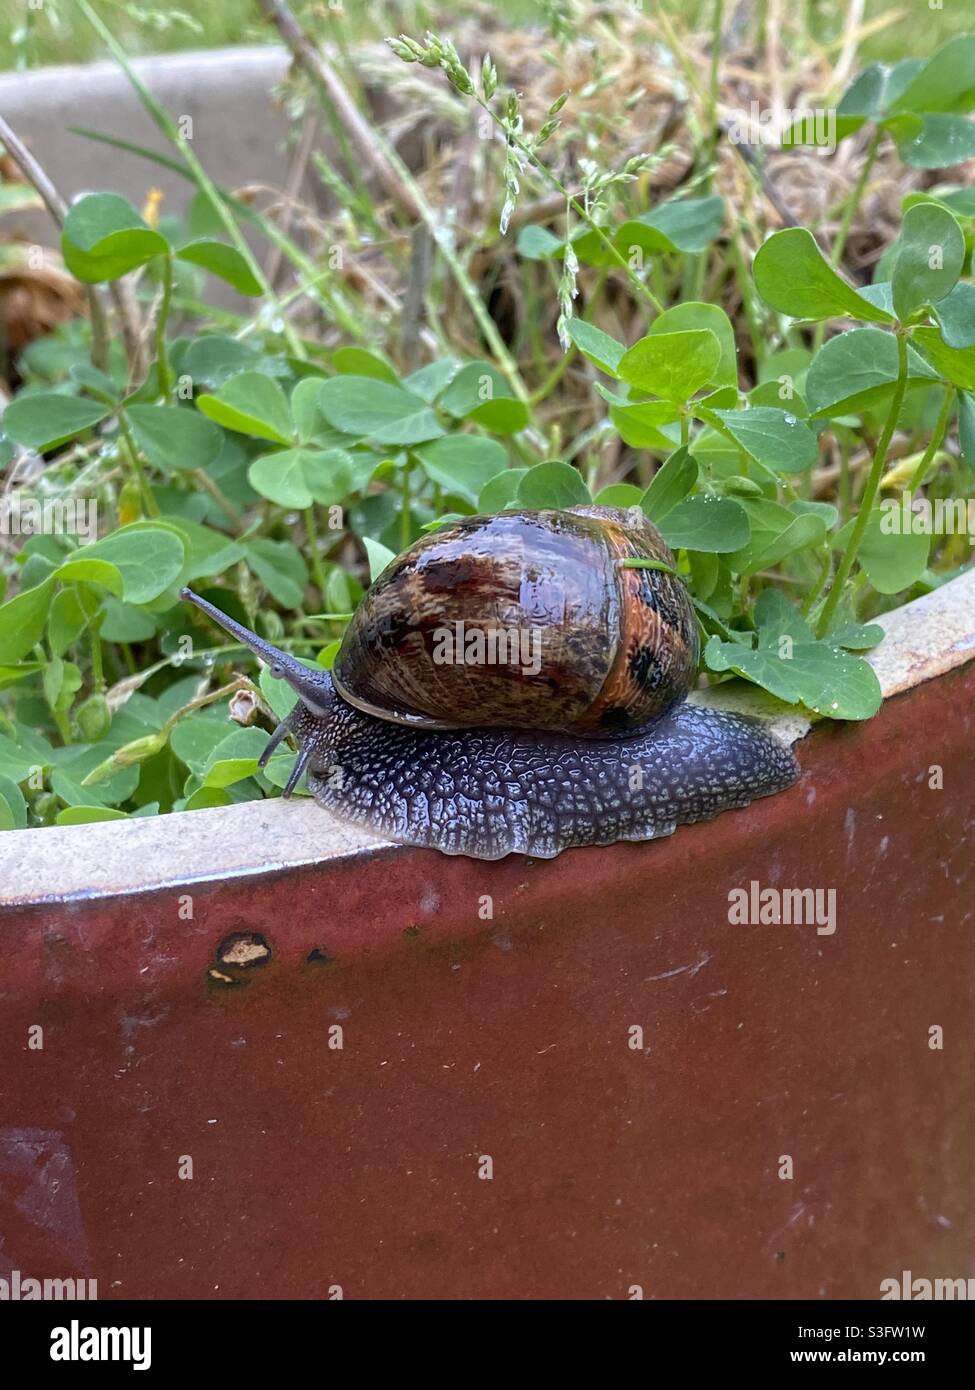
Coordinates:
(524, 619)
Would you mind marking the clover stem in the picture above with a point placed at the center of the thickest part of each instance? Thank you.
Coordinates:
(555, 376)
(163, 368)
(820, 584)
(311, 529)
(855, 198)
(844, 482)
(747, 295)
(202, 478)
(934, 444)
(870, 491)
(404, 516)
(97, 669)
(132, 449)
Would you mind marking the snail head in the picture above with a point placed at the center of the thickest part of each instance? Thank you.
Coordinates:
(313, 688)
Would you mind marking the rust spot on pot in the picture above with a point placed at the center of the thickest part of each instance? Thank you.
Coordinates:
(243, 950)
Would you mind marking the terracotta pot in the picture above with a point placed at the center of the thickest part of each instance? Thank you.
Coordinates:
(486, 1122)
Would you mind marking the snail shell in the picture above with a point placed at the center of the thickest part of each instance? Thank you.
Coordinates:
(581, 643)
(488, 760)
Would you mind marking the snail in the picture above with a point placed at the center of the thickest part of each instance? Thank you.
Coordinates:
(507, 685)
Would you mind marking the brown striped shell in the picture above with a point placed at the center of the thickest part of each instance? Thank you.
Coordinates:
(525, 619)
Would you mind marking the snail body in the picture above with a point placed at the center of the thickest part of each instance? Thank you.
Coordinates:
(576, 733)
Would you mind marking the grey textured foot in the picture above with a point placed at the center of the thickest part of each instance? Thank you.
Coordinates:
(488, 793)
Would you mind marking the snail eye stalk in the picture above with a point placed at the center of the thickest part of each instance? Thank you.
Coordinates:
(313, 687)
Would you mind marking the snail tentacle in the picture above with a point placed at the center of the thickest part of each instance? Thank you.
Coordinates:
(304, 757)
(277, 738)
(314, 691)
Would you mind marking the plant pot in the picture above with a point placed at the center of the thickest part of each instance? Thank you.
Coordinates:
(280, 1057)
(224, 97)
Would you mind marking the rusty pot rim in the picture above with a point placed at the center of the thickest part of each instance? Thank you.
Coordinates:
(923, 640)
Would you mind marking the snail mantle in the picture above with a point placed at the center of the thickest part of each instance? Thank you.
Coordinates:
(923, 640)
